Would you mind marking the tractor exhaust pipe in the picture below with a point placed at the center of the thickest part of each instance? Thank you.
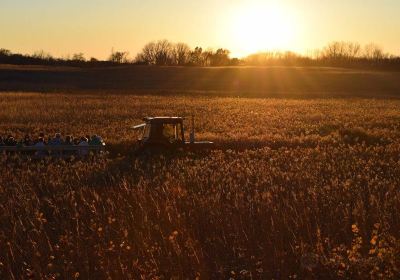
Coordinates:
(192, 131)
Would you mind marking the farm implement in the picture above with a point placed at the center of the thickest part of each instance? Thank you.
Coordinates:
(58, 151)
(158, 134)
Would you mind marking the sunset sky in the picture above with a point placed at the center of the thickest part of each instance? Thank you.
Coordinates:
(94, 27)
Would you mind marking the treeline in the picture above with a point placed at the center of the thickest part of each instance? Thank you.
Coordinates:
(180, 54)
(166, 53)
(163, 53)
(43, 58)
(349, 54)
(345, 54)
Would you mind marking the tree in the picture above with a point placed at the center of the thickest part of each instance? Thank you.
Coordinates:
(335, 51)
(235, 61)
(195, 57)
(180, 54)
(205, 58)
(5, 52)
(119, 57)
(156, 53)
(148, 54)
(342, 51)
(354, 50)
(276, 58)
(42, 55)
(78, 57)
(220, 58)
(198, 57)
(163, 50)
(373, 52)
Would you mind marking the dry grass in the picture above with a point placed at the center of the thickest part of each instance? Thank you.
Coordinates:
(299, 188)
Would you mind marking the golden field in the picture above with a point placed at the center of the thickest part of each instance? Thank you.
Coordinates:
(296, 189)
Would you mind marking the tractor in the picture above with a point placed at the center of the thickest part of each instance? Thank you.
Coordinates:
(167, 134)
(159, 134)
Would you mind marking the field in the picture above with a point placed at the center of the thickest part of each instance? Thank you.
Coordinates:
(298, 188)
(298, 82)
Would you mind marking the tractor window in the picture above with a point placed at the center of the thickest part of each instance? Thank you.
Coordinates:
(169, 132)
(172, 132)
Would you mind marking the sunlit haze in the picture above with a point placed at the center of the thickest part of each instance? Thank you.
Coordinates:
(242, 26)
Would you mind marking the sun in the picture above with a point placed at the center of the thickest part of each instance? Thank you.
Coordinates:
(261, 26)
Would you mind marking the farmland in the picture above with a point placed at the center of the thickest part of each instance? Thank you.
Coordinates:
(302, 184)
(298, 82)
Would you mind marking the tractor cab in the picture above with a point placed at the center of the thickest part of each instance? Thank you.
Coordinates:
(167, 133)
(163, 130)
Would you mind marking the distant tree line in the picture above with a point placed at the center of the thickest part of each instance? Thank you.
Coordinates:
(43, 58)
(166, 53)
(349, 53)
(345, 54)
(180, 54)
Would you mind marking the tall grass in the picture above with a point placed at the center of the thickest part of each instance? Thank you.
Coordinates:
(297, 189)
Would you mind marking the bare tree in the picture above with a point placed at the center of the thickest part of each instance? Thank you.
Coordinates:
(341, 51)
(373, 52)
(163, 52)
(79, 57)
(180, 54)
(353, 50)
(156, 53)
(148, 54)
(335, 51)
(42, 55)
(119, 57)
